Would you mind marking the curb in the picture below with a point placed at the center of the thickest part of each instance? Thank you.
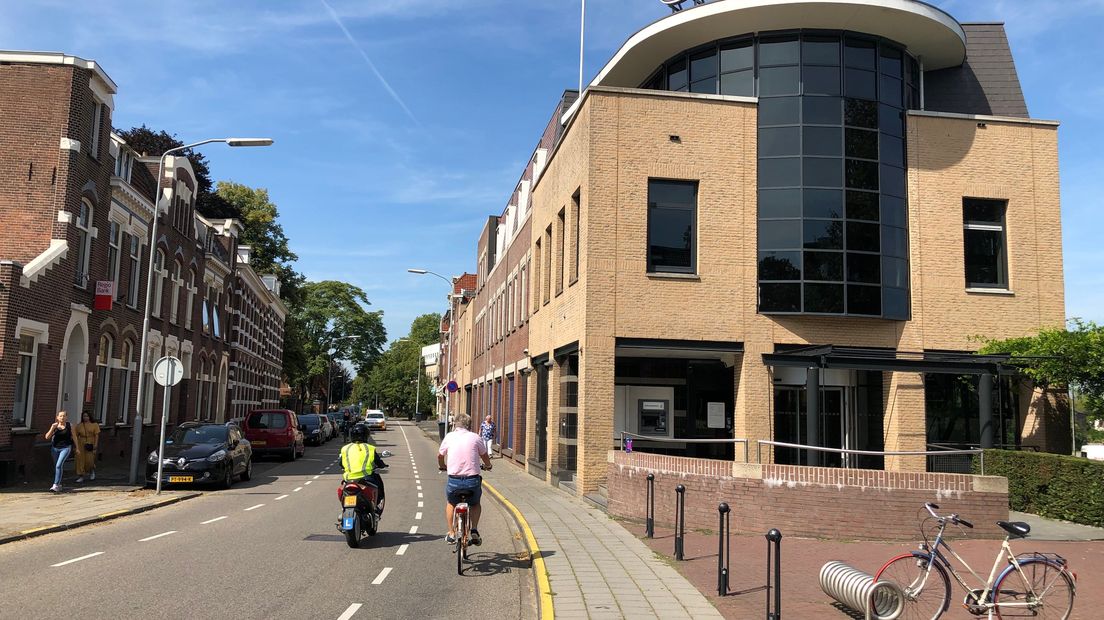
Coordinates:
(545, 611)
(69, 525)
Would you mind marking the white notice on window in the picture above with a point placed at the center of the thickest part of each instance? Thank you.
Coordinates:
(716, 413)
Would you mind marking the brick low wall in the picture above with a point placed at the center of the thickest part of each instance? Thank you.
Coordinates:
(819, 502)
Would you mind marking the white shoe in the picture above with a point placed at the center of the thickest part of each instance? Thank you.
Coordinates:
(56, 488)
(80, 478)
(93, 476)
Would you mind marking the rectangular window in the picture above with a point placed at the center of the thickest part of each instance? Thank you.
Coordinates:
(135, 271)
(84, 242)
(94, 138)
(672, 243)
(575, 236)
(539, 258)
(24, 382)
(985, 241)
(561, 234)
(114, 245)
(546, 270)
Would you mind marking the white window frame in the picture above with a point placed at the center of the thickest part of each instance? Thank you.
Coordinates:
(176, 282)
(159, 272)
(127, 358)
(83, 222)
(101, 403)
(97, 123)
(114, 254)
(39, 333)
(191, 299)
(135, 252)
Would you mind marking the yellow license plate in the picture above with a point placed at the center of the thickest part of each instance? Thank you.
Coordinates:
(258, 443)
(350, 500)
(180, 478)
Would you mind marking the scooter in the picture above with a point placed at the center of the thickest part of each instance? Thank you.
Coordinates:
(358, 511)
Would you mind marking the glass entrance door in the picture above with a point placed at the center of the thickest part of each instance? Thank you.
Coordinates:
(542, 414)
(790, 424)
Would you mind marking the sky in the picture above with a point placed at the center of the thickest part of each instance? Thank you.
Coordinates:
(400, 125)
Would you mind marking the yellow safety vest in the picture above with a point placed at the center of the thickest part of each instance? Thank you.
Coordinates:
(357, 459)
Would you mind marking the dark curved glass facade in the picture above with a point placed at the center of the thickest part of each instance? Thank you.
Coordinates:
(831, 178)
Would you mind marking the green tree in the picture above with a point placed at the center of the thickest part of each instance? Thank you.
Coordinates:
(261, 230)
(394, 379)
(154, 143)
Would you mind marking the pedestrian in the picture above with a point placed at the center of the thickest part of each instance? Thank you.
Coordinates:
(487, 434)
(88, 438)
(62, 444)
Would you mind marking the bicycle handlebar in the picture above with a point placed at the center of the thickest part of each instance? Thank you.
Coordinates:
(953, 518)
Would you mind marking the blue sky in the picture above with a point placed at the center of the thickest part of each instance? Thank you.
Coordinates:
(399, 129)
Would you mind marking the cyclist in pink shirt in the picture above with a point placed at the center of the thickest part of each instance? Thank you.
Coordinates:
(460, 454)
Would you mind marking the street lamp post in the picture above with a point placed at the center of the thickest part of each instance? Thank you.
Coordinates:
(443, 418)
(136, 438)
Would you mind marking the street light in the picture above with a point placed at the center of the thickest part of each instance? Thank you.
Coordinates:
(136, 438)
(443, 418)
(329, 368)
(418, 388)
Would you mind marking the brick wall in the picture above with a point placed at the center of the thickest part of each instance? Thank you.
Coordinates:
(803, 501)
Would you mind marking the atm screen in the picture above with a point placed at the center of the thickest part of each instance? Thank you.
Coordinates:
(653, 417)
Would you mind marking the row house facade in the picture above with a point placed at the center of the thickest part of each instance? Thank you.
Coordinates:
(772, 225)
(76, 208)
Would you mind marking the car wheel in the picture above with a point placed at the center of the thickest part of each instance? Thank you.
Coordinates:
(228, 479)
(248, 473)
(290, 454)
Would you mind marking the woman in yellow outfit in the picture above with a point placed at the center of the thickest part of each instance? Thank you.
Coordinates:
(88, 438)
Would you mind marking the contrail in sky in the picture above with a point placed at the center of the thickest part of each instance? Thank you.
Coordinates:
(371, 65)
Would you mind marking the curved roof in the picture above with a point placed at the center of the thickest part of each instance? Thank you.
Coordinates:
(926, 31)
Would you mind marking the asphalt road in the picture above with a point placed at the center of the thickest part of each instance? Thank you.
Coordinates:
(269, 548)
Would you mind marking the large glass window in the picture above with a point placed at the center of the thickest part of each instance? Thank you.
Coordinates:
(672, 242)
(114, 246)
(24, 382)
(103, 378)
(984, 240)
(84, 241)
(135, 271)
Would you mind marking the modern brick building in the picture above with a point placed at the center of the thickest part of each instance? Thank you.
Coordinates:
(783, 221)
(257, 351)
(76, 205)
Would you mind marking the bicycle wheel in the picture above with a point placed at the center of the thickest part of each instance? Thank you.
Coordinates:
(460, 551)
(1047, 592)
(927, 592)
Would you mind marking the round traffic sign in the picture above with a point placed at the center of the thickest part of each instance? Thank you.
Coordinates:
(452, 386)
(168, 371)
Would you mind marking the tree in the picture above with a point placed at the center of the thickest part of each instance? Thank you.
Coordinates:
(395, 376)
(154, 143)
(262, 232)
(1068, 358)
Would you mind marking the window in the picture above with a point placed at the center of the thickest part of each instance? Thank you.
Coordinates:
(561, 233)
(135, 271)
(175, 299)
(84, 241)
(575, 236)
(24, 382)
(984, 239)
(114, 244)
(159, 282)
(126, 374)
(122, 164)
(96, 123)
(537, 275)
(103, 378)
(546, 269)
(191, 300)
(672, 207)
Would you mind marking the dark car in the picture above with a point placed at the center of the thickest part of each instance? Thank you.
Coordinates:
(274, 431)
(313, 433)
(335, 419)
(203, 453)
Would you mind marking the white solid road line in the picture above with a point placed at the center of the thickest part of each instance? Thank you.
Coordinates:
(157, 536)
(417, 516)
(297, 489)
(213, 520)
(348, 613)
(383, 575)
(253, 507)
(281, 497)
(413, 529)
(83, 557)
(402, 550)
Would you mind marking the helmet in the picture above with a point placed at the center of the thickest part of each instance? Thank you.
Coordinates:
(359, 433)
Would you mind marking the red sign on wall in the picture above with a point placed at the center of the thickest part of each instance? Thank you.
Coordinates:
(105, 293)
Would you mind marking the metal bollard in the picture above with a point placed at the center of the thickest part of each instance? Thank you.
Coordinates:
(881, 600)
(649, 498)
(774, 540)
(680, 519)
(724, 552)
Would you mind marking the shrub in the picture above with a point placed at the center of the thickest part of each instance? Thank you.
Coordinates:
(1051, 485)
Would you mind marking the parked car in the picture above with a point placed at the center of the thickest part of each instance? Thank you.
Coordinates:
(312, 429)
(203, 453)
(337, 422)
(274, 431)
(376, 420)
(327, 427)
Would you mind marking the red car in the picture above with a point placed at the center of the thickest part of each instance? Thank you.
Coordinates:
(274, 431)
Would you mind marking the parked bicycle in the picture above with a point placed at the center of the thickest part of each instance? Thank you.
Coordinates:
(1032, 585)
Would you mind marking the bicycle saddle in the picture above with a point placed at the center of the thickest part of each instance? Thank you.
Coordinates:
(1015, 529)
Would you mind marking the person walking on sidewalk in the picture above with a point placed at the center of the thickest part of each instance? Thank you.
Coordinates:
(459, 455)
(62, 444)
(88, 438)
(487, 434)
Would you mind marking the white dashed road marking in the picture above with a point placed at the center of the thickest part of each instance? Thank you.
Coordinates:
(383, 575)
(348, 613)
(281, 497)
(417, 516)
(402, 550)
(83, 557)
(419, 494)
(297, 489)
(308, 481)
(317, 477)
(253, 507)
(148, 538)
(421, 504)
(213, 520)
(413, 529)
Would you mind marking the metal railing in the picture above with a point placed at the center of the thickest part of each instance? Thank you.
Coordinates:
(627, 435)
(780, 444)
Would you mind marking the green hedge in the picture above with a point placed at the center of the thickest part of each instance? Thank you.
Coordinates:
(1051, 485)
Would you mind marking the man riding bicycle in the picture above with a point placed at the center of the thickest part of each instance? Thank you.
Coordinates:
(460, 454)
(359, 460)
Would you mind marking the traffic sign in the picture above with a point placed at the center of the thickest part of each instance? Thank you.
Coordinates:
(452, 386)
(168, 371)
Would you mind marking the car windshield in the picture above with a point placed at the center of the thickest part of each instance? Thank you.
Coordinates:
(200, 434)
(376, 415)
(309, 420)
(267, 420)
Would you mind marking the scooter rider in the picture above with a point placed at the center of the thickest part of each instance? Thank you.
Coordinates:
(360, 460)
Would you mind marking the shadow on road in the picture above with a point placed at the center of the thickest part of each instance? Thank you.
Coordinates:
(381, 540)
(497, 563)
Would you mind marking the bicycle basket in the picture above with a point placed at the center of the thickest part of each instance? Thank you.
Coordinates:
(1036, 556)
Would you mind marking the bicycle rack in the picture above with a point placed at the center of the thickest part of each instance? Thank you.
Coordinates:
(649, 498)
(724, 551)
(680, 520)
(881, 600)
(774, 543)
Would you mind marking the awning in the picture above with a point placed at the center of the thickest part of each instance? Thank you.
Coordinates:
(891, 360)
(690, 349)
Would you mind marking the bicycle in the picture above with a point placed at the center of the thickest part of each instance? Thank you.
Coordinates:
(461, 524)
(1034, 585)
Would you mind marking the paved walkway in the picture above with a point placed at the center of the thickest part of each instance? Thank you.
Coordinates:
(1043, 528)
